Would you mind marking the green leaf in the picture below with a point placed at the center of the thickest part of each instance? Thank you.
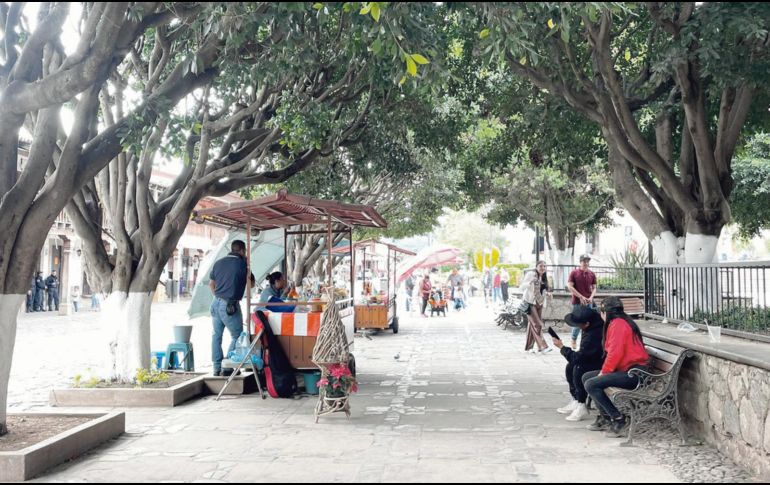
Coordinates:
(411, 67)
(628, 54)
(523, 61)
(565, 36)
(402, 81)
(420, 59)
(484, 34)
(551, 25)
(366, 8)
(375, 12)
(318, 6)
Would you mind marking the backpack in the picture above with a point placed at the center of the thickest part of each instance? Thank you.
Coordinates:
(279, 373)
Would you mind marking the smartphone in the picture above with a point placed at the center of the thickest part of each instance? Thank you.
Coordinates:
(553, 334)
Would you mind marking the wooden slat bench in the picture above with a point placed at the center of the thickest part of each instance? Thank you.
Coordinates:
(633, 306)
(657, 394)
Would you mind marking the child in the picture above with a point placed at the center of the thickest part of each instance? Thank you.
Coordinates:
(75, 297)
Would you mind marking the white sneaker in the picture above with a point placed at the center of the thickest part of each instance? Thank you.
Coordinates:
(579, 414)
(546, 350)
(568, 408)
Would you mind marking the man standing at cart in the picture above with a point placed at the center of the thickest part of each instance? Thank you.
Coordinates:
(228, 283)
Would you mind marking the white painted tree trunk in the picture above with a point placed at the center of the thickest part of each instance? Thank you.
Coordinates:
(9, 314)
(687, 290)
(562, 257)
(126, 317)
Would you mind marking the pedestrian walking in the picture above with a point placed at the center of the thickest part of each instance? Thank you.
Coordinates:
(75, 293)
(496, 291)
(409, 288)
(52, 288)
(425, 288)
(505, 278)
(534, 291)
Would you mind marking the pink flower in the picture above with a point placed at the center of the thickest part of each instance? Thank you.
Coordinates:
(339, 371)
(354, 388)
(323, 382)
(337, 385)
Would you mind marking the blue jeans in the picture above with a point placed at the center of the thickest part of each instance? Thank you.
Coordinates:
(576, 330)
(596, 384)
(497, 294)
(221, 320)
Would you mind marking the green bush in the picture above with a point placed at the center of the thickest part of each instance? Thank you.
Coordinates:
(734, 317)
(624, 281)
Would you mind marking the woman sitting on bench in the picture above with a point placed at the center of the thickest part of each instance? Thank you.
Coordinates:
(624, 349)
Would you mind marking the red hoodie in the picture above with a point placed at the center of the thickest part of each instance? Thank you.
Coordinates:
(623, 349)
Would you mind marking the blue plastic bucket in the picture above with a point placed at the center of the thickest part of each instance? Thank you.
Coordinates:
(311, 382)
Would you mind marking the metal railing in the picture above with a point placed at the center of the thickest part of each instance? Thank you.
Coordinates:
(608, 278)
(735, 296)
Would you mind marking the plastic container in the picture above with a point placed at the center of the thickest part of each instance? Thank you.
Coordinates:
(182, 334)
(311, 382)
(715, 334)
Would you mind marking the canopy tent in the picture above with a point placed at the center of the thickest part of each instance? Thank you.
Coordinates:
(428, 258)
(285, 210)
(266, 254)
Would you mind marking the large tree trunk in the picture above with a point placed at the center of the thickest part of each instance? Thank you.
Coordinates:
(9, 312)
(126, 319)
(562, 255)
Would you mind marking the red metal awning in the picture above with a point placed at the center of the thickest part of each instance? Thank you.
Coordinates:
(284, 210)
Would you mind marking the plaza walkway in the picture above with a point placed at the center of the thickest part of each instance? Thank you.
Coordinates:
(447, 399)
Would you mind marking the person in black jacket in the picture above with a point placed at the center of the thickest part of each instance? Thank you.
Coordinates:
(588, 358)
(52, 288)
(39, 292)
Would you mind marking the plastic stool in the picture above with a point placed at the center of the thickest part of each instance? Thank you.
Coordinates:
(160, 358)
(188, 357)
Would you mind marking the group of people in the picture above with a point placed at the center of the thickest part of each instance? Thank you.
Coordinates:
(609, 348)
(456, 281)
(581, 283)
(39, 288)
(496, 285)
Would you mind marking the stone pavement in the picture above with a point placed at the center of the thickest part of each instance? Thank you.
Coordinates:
(462, 402)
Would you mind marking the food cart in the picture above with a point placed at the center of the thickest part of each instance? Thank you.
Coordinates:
(296, 215)
(377, 310)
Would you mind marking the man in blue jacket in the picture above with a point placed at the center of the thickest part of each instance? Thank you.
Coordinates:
(588, 358)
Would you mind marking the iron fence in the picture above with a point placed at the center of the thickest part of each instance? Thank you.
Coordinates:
(608, 278)
(735, 296)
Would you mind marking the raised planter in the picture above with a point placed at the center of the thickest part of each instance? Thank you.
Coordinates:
(128, 398)
(27, 463)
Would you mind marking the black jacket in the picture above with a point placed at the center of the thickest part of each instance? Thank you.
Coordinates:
(40, 283)
(52, 283)
(591, 352)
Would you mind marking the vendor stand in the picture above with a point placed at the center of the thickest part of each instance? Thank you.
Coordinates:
(296, 215)
(378, 311)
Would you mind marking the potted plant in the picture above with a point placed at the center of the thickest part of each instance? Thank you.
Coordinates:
(338, 383)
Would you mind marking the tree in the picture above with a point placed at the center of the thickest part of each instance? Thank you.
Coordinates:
(750, 201)
(534, 161)
(469, 231)
(296, 83)
(669, 85)
(39, 79)
(407, 177)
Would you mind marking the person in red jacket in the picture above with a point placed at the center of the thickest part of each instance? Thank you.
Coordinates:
(624, 350)
(425, 289)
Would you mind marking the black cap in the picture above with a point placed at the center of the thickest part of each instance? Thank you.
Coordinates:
(579, 316)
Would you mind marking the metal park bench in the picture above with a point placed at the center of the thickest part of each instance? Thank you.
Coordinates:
(657, 395)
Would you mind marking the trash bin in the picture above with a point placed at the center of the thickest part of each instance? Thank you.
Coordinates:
(311, 382)
(182, 334)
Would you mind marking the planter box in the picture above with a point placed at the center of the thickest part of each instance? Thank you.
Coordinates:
(21, 465)
(128, 398)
